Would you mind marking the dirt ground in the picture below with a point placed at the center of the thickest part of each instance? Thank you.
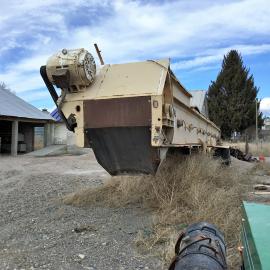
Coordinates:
(38, 231)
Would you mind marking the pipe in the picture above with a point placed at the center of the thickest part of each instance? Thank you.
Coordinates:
(54, 95)
(99, 54)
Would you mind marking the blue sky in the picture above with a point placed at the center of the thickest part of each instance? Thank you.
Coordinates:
(194, 34)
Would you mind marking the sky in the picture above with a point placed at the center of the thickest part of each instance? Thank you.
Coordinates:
(194, 34)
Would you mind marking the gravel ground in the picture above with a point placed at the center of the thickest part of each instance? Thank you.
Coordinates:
(37, 231)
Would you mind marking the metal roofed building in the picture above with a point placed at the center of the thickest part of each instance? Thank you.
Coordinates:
(18, 120)
(61, 134)
(199, 101)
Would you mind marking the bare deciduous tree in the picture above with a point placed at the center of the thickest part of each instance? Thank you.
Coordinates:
(6, 88)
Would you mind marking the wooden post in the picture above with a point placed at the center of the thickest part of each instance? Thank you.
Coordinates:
(14, 138)
(246, 144)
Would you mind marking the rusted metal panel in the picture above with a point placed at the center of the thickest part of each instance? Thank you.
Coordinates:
(117, 112)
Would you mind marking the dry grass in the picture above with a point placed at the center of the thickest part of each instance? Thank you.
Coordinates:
(196, 189)
(262, 167)
(263, 148)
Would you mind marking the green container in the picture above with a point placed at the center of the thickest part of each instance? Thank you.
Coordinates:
(256, 236)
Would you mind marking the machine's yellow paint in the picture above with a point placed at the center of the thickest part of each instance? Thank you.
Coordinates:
(76, 108)
(174, 122)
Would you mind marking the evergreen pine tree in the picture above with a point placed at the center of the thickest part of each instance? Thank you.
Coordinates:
(232, 97)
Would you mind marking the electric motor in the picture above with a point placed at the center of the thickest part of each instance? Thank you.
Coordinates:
(71, 69)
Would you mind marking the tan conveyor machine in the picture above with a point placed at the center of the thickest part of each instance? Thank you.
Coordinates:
(130, 114)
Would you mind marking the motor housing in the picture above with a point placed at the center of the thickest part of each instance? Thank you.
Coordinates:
(71, 69)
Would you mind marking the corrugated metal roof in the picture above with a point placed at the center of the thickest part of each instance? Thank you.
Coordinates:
(11, 105)
(199, 101)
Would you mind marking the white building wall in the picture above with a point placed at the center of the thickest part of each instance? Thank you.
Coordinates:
(62, 135)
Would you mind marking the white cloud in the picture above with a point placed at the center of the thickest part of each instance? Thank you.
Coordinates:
(217, 55)
(200, 31)
(265, 106)
(24, 76)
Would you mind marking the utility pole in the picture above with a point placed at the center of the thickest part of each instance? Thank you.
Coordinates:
(256, 102)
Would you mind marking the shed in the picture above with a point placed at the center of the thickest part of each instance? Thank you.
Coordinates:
(199, 101)
(18, 121)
